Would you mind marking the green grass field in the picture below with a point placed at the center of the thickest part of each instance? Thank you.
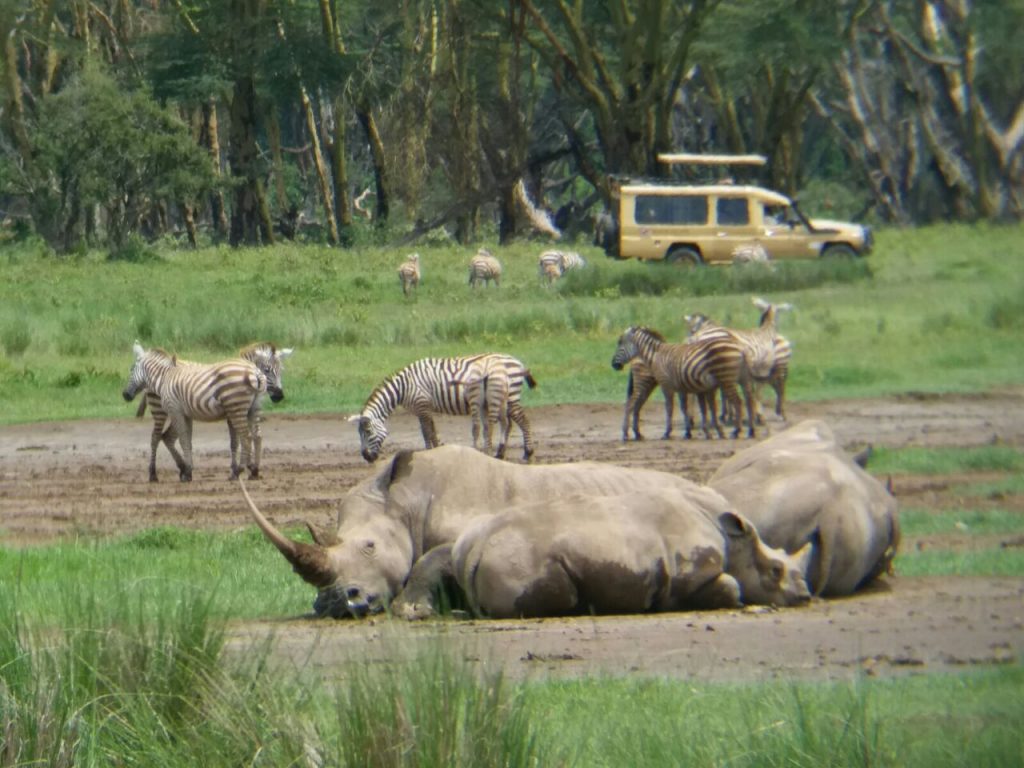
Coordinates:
(111, 651)
(933, 310)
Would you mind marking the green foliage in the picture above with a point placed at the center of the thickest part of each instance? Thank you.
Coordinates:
(100, 143)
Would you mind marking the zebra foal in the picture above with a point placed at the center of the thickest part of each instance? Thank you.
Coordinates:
(483, 268)
(553, 264)
(698, 368)
(409, 273)
(447, 385)
(228, 390)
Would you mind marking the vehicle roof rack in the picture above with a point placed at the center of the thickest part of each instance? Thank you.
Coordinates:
(685, 158)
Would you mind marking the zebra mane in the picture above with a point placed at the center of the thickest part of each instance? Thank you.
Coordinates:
(161, 352)
(649, 332)
(257, 347)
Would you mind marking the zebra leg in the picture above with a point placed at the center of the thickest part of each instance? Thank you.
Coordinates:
(182, 425)
(670, 405)
(429, 430)
(778, 383)
(233, 444)
(748, 400)
(238, 429)
(168, 437)
(506, 428)
(715, 423)
(518, 415)
(257, 444)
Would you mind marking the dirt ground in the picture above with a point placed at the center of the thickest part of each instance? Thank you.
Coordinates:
(90, 478)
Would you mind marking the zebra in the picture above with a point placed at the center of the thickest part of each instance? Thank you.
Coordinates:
(553, 264)
(441, 385)
(699, 367)
(265, 356)
(642, 381)
(228, 390)
(491, 384)
(409, 273)
(483, 268)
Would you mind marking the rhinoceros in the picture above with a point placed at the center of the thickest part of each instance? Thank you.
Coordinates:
(799, 486)
(631, 553)
(425, 499)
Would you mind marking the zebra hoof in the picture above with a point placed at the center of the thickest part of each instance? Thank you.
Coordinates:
(185, 475)
(254, 473)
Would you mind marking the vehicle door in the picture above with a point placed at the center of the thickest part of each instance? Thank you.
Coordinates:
(785, 236)
(733, 227)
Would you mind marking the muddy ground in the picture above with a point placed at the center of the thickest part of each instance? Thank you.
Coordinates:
(89, 478)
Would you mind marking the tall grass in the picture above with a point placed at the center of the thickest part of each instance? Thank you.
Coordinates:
(109, 688)
(934, 309)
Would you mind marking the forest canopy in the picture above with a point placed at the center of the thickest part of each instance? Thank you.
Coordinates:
(247, 121)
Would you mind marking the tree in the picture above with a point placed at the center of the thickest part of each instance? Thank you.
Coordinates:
(97, 143)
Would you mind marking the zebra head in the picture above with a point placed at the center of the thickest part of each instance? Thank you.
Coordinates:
(268, 359)
(769, 311)
(145, 370)
(373, 430)
(695, 322)
(626, 350)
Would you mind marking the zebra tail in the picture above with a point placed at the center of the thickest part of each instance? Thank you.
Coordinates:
(629, 385)
(142, 407)
(530, 381)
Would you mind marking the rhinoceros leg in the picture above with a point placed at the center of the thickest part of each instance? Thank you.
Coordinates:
(721, 592)
(429, 574)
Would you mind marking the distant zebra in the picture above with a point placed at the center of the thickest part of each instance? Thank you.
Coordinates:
(553, 264)
(229, 390)
(698, 368)
(409, 273)
(265, 356)
(441, 385)
(483, 268)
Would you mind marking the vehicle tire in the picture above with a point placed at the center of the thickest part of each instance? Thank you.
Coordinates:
(838, 251)
(683, 256)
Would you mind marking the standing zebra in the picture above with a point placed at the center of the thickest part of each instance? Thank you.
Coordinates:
(553, 264)
(483, 268)
(446, 385)
(229, 390)
(698, 368)
(409, 273)
(262, 354)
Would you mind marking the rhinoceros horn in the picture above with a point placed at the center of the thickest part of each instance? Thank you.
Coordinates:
(308, 560)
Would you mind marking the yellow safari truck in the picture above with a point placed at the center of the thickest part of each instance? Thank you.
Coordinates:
(709, 224)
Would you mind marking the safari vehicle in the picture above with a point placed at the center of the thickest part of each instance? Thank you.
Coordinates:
(690, 224)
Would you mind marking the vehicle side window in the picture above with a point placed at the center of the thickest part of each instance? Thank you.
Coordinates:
(662, 209)
(733, 211)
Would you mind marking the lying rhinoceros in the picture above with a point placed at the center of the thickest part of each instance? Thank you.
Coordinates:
(630, 553)
(422, 500)
(799, 486)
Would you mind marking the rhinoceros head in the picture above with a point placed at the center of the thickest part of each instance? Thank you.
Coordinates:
(767, 576)
(356, 570)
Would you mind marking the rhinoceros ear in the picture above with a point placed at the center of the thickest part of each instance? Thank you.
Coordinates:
(401, 465)
(802, 557)
(323, 536)
(735, 526)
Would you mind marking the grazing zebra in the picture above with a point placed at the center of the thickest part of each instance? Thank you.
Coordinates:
(750, 253)
(698, 368)
(442, 385)
(483, 268)
(409, 273)
(228, 390)
(553, 264)
(262, 354)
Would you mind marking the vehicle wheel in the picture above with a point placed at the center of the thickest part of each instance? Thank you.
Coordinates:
(683, 256)
(838, 251)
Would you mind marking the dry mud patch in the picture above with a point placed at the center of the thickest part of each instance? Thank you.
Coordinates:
(89, 478)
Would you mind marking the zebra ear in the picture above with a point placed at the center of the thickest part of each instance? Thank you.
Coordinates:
(760, 303)
(354, 418)
(137, 349)
(787, 307)
(283, 353)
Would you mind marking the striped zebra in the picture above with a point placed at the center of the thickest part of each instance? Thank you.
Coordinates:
(642, 381)
(228, 390)
(409, 273)
(447, 385)
(698, 368)
(265, 356)
(553, 264)
(483, 268)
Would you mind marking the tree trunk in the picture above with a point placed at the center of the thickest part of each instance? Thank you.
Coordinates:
(250, 218)
(383, 205)
(326, 197)
(211, 139)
